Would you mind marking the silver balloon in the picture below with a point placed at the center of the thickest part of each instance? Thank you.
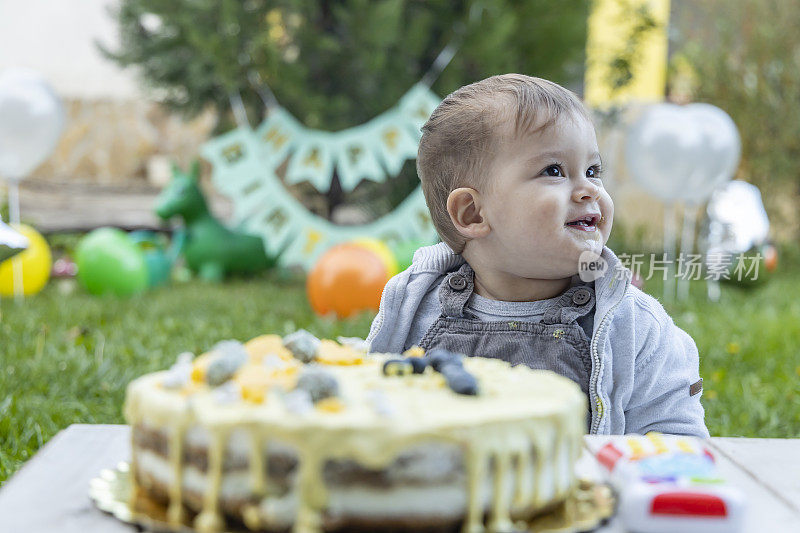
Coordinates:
(735, 236)
(721, 152)
(11, 242)
(682, 152)
(737, 220)
(31, 120)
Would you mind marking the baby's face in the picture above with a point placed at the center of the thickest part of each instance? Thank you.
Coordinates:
(539, 184)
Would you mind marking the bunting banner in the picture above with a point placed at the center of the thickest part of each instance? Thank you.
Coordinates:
(246, 162)
(372, 151)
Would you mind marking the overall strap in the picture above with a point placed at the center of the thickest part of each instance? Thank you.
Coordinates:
(455, 290)
(574, 303)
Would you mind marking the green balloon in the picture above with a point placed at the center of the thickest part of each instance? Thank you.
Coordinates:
(108, 262)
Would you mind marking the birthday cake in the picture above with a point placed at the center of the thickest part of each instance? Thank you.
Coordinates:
(311, 435)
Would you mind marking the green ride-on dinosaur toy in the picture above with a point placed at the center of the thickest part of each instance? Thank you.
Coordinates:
(211, 250)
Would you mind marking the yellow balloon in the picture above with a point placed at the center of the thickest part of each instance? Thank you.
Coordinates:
(380, 249)
(36, 264)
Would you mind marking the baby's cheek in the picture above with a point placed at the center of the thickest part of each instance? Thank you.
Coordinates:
(544, 210)
(607, 208)
(530, 217)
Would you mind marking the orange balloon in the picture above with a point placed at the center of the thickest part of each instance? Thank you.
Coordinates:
(345, 280)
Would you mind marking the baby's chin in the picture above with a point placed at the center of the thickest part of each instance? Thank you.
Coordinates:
(593, 245)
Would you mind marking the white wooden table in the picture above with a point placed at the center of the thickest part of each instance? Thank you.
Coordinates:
(50, 492)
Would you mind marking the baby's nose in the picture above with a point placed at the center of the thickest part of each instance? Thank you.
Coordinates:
(586, 191)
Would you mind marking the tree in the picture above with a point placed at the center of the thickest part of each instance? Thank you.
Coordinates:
(335, 64)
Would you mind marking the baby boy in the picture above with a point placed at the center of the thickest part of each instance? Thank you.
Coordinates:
(513, 179)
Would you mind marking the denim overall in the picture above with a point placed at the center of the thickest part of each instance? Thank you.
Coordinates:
(557, 343)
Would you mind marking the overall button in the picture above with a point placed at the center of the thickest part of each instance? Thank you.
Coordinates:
(581, 296)
(457, 282)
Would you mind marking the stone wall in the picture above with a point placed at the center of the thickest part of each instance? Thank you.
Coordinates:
(120, 142)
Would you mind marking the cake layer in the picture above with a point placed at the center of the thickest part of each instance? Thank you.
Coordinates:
(424, 484)
(418, 465)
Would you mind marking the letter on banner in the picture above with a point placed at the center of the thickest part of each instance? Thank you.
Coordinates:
(356, 159)
(252, 199)
(306, 246)
(276, 136)
(312, 161)
(277, 216)
(278, 226)
(394, 142)
(235, 168)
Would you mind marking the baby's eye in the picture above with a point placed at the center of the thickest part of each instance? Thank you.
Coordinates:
(553, 170)
(594, 171)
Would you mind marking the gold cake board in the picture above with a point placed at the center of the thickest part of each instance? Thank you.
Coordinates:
(587, 508)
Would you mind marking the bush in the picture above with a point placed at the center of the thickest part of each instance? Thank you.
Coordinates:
(746, 60)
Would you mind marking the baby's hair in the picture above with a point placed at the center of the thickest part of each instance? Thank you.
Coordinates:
(464, 130)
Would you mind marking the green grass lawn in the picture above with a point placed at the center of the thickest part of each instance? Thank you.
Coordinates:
(749, 346)
(66, 359)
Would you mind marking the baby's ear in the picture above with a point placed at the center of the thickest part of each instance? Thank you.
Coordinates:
(464, 208)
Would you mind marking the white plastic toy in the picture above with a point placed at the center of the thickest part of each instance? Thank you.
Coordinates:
(668, 483)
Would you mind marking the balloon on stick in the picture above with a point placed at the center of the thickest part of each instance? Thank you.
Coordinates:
(31, 120)
(682, 153)
(722, 148)
(662, 149)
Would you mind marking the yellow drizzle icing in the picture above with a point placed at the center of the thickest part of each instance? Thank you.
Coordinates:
(210, 519)
(519, 413)
(522, 494)
(501, 504)
(175, 512)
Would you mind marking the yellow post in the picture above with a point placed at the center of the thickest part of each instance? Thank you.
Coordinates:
(610, 26)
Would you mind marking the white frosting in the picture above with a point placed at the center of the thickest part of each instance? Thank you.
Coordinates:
(518, 411)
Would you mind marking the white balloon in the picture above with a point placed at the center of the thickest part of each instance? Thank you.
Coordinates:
(682, 152)
(31, 120)
(722, 152)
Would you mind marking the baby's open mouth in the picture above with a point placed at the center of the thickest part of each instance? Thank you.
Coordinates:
(585, 223)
